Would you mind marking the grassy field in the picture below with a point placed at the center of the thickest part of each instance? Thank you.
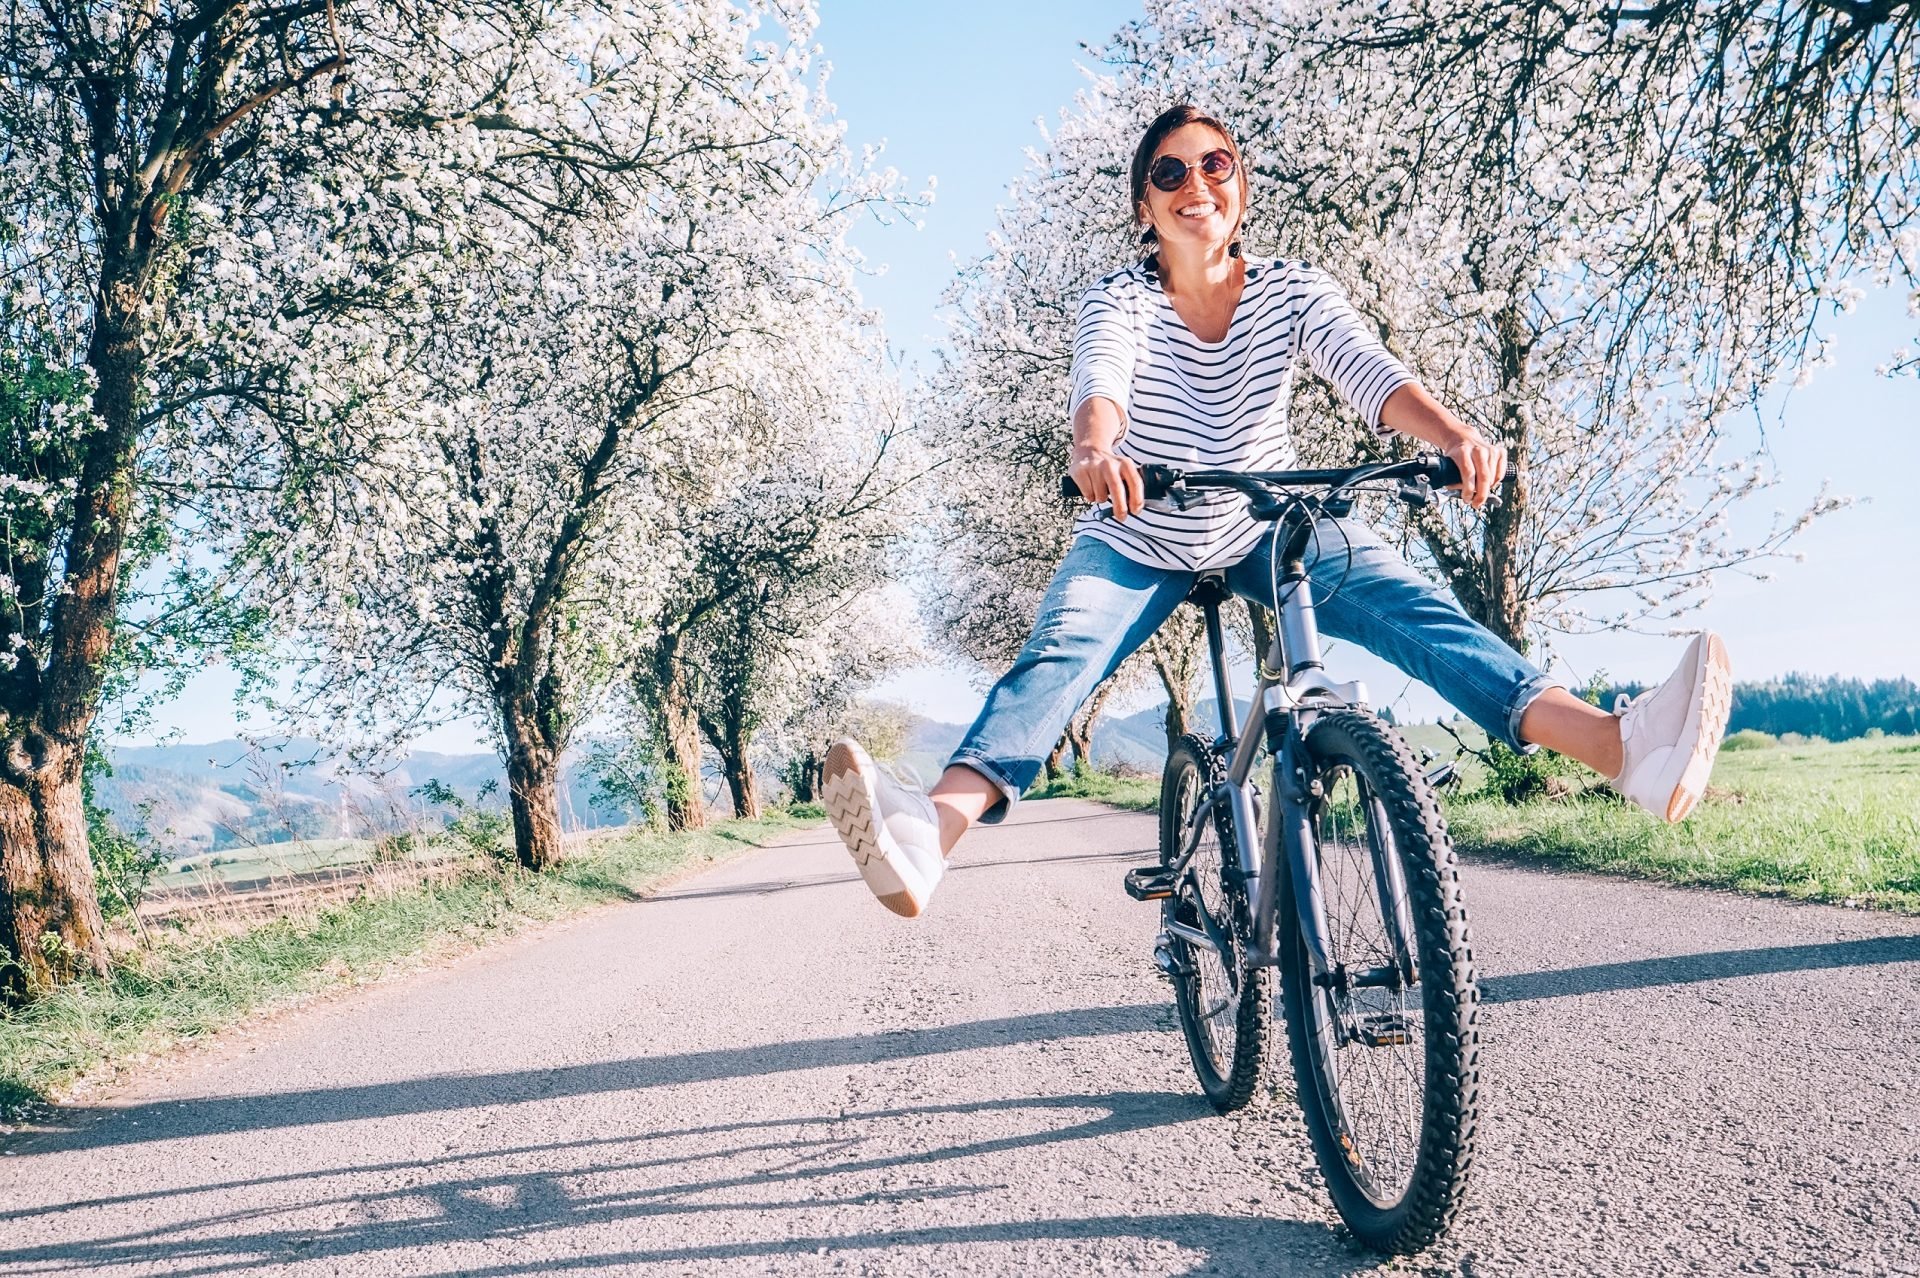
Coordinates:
(264, 860)
(1822, 822)
(1816, 821)
(188, 982)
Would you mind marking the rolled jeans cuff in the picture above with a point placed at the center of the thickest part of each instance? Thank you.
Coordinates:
(1009, 793)
(1523, 697)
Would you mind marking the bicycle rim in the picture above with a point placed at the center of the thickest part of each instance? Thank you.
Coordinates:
(1226, 1009)
(1369, 1041)
(1386, 1050)
(1212, 1001)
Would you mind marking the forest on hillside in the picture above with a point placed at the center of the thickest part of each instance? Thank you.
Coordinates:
(1828, 706)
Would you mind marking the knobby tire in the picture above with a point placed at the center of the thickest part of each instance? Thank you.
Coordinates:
(1344, 1096)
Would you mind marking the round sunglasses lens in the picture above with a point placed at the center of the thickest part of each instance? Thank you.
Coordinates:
(1217, 165)
(1168, 172)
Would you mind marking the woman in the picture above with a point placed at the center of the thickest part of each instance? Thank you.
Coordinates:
(1187, 359)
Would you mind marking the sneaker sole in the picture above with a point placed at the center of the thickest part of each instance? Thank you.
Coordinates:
(1715, 703)
(849, 803)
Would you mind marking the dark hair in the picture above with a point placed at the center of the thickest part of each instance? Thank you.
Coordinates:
(1163, 124)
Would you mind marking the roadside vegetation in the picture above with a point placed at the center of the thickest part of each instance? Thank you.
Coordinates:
(1790, 816)
(201, 975)
(1796, 817)
(1135, 793)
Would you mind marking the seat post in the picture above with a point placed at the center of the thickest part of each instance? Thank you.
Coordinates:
(1209, 593)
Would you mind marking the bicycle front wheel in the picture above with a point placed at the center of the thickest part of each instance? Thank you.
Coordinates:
(1386, 1048)
(1225, 1007)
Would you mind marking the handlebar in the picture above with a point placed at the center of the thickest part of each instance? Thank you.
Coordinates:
(1162, 481)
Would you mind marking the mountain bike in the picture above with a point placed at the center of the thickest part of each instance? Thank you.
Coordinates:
(1340, 875)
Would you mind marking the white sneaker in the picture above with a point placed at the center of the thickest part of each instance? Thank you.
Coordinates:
(1670, 734)
(890, 828)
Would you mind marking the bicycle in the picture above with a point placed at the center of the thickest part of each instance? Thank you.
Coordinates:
(1350, 891)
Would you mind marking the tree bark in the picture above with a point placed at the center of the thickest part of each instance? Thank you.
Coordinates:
(1176, 658)
(741, 785)
(50, 922)
(1056, 757)
(802, 775)
(1080, 727)
(1486, 579)
(533, 773)
(678, 720)
(46, 875)
(1508, 610)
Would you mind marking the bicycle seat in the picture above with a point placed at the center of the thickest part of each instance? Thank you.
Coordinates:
(1211, 588)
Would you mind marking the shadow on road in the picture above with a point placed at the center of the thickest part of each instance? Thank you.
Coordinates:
(765, 887)
(85, 1128)
(392, 1208)
(1687, 969)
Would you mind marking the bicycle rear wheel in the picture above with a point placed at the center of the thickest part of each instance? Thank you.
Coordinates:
(1226, 1009)
(1386, 1051)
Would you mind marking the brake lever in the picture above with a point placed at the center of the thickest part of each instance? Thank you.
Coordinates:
(1418, 493)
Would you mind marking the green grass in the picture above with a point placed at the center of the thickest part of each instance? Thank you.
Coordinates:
(1819, 822)
(263, 861)
(1137, 794)
(189, 983)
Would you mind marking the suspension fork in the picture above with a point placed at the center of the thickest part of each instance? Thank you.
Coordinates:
(1289, 842)
(1396, 909)
(1295, 652)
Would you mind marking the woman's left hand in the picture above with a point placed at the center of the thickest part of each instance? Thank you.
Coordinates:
(1482, 466)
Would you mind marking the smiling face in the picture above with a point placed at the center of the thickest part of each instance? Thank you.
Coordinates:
(1199, 211)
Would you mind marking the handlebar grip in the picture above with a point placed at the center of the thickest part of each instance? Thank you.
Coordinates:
(1444, 472)
(1157, 480)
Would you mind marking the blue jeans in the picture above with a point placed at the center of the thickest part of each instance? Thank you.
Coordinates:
(1102, 606)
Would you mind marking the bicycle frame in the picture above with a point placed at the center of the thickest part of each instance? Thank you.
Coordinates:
(1293, 687)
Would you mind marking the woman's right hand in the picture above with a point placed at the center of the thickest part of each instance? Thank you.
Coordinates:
(1107, 476)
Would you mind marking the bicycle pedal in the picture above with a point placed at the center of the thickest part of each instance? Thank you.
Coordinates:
(1385, 1029)
(1149, 883)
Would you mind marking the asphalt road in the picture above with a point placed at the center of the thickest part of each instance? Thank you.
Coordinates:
(764, 1072)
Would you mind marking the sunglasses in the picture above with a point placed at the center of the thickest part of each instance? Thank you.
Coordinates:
(1169, 172)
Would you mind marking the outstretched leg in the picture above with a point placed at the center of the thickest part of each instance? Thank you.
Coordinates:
(1100, 607)
(1656, 751)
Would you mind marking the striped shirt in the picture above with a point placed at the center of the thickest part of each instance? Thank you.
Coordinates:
(1223, 405)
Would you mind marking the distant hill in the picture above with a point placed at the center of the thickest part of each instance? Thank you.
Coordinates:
(1136, 741)
(198, 798)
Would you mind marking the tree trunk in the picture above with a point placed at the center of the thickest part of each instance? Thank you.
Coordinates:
(51, 924)
(679, 723)
(1508, 610)
(533, 773)
(50, 921)
(741, 785)
(1176, 658)
(1057, 755)
(1080, 727)
(1261, 621)
(802, 775)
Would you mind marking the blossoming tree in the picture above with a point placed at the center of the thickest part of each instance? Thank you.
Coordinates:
(503, 536)
(129, 131)
(768, 617)
(249, 255)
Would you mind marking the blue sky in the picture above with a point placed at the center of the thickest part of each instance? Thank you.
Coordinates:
(955, 93)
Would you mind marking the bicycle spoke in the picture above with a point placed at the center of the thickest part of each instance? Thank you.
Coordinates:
(1376, 1038)
(1224, 1007)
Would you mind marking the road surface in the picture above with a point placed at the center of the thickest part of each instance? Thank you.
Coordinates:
(761, 1071)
